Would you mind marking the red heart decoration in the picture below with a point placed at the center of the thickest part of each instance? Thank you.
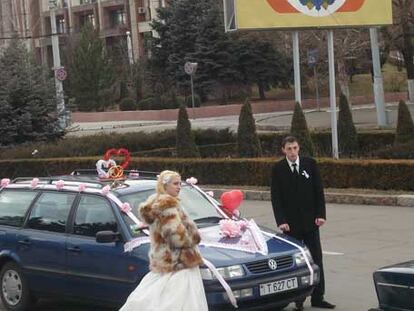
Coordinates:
(231, 200)
(118, 152)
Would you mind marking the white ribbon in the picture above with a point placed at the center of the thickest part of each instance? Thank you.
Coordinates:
(301, 250)
(222, 281)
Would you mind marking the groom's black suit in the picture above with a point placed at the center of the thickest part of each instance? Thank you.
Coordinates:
(297, 200)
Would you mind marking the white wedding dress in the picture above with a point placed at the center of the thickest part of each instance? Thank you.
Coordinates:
(175, 291)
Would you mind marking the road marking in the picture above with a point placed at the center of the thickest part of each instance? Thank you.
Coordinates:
(332, 253)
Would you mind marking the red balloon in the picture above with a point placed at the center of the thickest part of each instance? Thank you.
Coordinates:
(231, 200)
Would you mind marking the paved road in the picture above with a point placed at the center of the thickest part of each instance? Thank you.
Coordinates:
(364, 117)
(356, 241)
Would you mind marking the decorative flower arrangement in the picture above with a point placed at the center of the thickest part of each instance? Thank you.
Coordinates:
(232, 228)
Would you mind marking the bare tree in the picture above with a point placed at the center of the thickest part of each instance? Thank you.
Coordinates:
(401, 35)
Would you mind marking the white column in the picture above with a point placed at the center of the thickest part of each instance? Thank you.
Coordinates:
(378, 82)
(296, 67)
(332, 95)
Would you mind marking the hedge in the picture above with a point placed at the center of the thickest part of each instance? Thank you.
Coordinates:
(372, 174)
(212, 143)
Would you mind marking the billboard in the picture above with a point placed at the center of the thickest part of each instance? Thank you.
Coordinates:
(294, 14)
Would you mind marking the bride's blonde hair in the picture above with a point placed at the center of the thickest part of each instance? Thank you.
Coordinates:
(164, 178)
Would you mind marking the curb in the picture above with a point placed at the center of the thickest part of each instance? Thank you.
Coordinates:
(403, 200)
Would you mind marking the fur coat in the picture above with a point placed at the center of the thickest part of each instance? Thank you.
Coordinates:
(174, 236)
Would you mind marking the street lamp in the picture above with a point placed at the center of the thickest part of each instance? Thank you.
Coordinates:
(129, 45)
(190, 69)
(59, 71)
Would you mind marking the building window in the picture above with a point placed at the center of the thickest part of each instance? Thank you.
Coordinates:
(87, 1)
(60, 24)
(87, 20)
(118, 18)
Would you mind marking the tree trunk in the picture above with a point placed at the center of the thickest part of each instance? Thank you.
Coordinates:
(262, 94)
(343, 79)
(408, 51)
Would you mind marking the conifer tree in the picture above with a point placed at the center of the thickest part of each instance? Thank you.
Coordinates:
(405, 126)
(347, 134)
(185, 142)
(91, 73)
(248, 142)
(299, 129)
(27, 98)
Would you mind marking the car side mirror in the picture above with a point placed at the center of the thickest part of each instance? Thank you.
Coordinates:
(107, 236)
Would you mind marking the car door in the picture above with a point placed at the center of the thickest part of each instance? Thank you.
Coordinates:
(41, 243)
(101, 271)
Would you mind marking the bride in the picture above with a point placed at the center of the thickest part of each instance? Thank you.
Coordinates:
(174, 281)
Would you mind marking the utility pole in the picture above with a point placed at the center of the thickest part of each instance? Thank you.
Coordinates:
(57, 67)
(378, 82)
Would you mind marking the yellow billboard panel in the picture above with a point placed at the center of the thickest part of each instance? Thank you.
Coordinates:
(265, 14)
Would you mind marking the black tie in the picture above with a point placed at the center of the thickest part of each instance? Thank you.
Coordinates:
(295, 171)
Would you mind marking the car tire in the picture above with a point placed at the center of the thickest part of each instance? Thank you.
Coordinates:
(14, 293)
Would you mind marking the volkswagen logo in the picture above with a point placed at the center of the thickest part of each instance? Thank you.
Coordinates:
(272, 264)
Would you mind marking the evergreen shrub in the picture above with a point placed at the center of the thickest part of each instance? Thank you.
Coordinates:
(405, 126)
(127, 104)
(247, 139)
(185, 143)
(347, 134)
(299, 129)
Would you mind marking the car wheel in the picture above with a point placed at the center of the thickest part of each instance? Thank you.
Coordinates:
(14, 290)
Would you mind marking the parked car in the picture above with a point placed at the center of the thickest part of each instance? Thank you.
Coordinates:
(71, 240)
(395, 287)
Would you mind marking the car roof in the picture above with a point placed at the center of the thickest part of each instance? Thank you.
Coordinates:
(132, 183)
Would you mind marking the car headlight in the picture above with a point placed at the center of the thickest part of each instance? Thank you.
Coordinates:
(226, 272)
(300, 259)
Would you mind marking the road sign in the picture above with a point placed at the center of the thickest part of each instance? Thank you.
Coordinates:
(61, 74)
(190, 68)
(313, 57)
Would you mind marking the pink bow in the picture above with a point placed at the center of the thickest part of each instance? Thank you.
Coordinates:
(105, 190)
(60, 184)
(192, 180)
(5, 182)
(34, 182)
(82, 187)
(125, 208)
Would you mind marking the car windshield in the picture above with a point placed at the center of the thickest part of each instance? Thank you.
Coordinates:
(196, 205)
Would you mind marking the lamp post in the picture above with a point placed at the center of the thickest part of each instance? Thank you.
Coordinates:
(190, 69)
(129, 46)
(59, 71)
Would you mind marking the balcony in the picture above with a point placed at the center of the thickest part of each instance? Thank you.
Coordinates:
(112, 3)
(83, 5)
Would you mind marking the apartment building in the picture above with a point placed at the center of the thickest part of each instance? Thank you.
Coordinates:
(114, 19)
(19, 18)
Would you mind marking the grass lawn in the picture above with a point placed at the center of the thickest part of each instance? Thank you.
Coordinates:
(394, 81)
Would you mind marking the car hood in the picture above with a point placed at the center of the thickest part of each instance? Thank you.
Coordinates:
(221, 256)
(404, 267)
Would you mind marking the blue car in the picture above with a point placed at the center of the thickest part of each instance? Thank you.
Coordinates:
(395, 287)
(67, 237)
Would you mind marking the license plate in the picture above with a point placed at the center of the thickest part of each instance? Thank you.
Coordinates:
(278, 286)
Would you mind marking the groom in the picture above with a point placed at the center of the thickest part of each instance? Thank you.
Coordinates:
(299, 207)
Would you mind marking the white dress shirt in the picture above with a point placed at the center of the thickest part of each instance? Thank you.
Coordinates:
(291, 166)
